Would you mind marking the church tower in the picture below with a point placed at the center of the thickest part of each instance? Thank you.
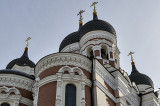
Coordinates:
(85, 72)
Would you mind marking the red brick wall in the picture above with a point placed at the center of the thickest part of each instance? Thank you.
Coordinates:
(47, 94)
(97, 53)
(26, 93)
(111, 54)
(88, 95)
(49, 71)
(54, 70)
(112, 63)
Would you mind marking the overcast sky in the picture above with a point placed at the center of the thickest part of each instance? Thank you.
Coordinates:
(47, 22)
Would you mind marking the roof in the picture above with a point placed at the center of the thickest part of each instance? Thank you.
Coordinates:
(96, 24)
(22, 61)
(140, 78)
(71, 38)
(8, 71)
(92, 25)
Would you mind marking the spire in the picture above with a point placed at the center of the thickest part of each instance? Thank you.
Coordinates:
(80, 19)
(132, 62)
(25, 54)
(94, 11)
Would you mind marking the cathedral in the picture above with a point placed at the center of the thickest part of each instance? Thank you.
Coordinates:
(85, 72)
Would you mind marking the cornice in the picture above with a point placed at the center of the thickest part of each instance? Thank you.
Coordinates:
(16, 81)
(71, 47)
(97, 34)
(62, 59)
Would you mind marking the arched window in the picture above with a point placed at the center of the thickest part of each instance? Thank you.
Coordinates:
(5, 104)
(70, 95)
(104, 54)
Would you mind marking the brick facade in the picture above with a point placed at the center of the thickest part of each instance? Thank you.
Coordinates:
(88, 95)
(47, 94)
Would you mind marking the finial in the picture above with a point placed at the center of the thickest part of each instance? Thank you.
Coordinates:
(27, 40)
(80, 19)
(94, 10)
(130, 54)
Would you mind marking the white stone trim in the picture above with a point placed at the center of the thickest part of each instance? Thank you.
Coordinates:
(97, 34)
(123, 85)
(100, 86)
(78, 80)
(13, 99)
(26, 101)
(105, 75)
(24, 69)
(71, 47)
(16, 81)
(62, 59)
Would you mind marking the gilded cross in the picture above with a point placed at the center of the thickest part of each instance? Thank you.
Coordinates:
(27, 40)
(80, 14)
(94, 4)
(130, 54)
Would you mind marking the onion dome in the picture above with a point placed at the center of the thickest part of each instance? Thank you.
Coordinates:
(71, 38)
(140, 78)
(22, 61)
(96, 24)
(8, 71)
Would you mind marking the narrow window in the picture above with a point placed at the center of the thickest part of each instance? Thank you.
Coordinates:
(70, 95)
(103, 54)
(5, 104)
(91, 55)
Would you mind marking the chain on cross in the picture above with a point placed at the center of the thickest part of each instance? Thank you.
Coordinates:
(27, 40)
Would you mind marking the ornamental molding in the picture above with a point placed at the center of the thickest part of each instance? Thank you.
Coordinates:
(13, 97)
(127, 92)
(104, 74)
(8, 91)
(74, 78)
(26, 101)
(16, 81)
(62, 59)
(71, 47)
(97, 34)
(65, 75)
(101, 87)
(24, 69)
(92, 43)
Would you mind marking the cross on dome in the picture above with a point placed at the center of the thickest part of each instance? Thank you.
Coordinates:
(80, 14)
(94, 4)
(131, 54)
(27, 40)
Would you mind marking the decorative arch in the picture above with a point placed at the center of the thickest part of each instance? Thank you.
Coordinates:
(4, 89)
(14, 90)
(65, 68)
(71, 70)
(67, 82)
